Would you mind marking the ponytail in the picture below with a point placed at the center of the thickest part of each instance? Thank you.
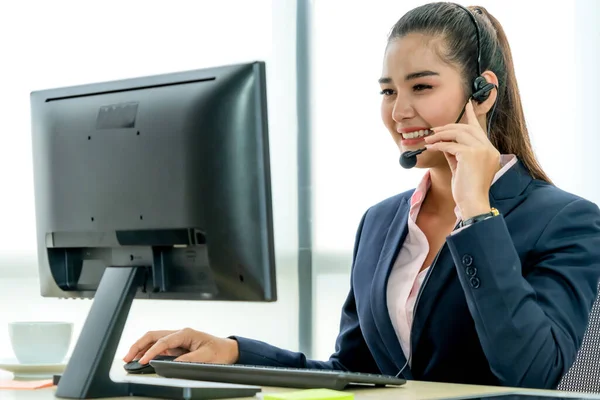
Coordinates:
(509, 133)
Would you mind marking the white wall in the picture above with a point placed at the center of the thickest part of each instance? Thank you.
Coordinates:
(587, 98)
(61, 43)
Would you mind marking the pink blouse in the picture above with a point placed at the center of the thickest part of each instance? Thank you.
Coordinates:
(405, 279)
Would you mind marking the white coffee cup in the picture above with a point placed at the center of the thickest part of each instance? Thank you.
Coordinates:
(40, 342)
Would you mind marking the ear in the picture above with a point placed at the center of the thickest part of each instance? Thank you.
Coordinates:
(481, 109)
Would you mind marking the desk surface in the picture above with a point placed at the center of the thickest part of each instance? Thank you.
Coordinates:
(412, 390)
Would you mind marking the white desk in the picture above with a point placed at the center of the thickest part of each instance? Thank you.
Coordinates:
(413, 390)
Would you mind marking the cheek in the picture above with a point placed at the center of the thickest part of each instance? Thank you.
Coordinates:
(430, 109)
(386, 114)
(438, 110)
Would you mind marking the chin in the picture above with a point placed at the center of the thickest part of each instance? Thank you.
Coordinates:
(430, 160)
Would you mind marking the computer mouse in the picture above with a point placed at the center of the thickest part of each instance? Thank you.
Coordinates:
(134, 367)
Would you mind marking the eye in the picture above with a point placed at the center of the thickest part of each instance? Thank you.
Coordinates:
(420, 88)
(387, 92)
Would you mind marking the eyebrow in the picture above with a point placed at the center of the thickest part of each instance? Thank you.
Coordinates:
(413, 75)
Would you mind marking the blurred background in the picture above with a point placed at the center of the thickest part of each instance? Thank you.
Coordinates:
(330, 162)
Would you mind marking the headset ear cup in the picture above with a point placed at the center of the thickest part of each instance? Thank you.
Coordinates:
(481, 89)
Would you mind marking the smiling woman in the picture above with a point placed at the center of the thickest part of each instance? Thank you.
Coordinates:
(461, 279)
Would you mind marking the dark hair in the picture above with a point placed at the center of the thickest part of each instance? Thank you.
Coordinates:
(451, 23)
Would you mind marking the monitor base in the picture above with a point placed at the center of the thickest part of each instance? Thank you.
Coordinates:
(87, 374)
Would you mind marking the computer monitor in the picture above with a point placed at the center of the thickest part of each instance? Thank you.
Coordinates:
(155, 187)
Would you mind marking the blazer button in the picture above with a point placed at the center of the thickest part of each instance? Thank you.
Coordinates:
(475, 282)
(471, 271)
(467, 260)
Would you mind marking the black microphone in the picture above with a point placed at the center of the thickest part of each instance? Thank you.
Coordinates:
(408, 159)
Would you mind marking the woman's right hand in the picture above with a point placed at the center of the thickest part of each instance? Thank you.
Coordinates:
(188, 344)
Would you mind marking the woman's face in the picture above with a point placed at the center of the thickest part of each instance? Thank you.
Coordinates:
(419, 91)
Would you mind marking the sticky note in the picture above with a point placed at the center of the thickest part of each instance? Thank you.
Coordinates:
(25, 385)
(310, 394)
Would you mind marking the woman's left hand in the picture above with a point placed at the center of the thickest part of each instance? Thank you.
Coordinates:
(473, 160)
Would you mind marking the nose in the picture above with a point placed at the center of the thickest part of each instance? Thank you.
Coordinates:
(402, 109)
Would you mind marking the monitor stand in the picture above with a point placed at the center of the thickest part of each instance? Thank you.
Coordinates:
(87, 374)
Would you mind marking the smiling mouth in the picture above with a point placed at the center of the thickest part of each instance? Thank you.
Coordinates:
(417, 134)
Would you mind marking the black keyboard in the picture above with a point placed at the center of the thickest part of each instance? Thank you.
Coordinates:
(270, 376)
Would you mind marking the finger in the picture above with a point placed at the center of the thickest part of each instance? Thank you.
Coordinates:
(470, 115)
(476, 133)
(171, 352)
(453, 135)
(204, 354)
(474, 122)
(144, 343)
(448, 147)
(141, 353)
(172, 341)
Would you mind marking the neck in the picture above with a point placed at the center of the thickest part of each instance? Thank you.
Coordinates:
(439, 197)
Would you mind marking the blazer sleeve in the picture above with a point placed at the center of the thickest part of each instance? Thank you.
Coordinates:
(351, 351)
(531, 318)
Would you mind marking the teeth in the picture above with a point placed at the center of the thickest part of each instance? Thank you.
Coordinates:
(416, 134)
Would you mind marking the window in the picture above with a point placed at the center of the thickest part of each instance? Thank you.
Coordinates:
(68, 43)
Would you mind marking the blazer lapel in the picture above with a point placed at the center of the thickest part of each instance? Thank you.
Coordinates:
(504, 196)
(505, 191)
(392, 244)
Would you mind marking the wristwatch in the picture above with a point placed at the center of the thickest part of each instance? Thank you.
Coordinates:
(470, 221)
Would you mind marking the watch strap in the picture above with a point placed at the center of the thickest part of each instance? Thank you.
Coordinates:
(470, 221)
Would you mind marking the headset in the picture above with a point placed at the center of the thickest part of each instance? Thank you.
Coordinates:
(481, 87)
(481, 91)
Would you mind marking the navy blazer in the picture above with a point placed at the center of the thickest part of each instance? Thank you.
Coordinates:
(506, 303)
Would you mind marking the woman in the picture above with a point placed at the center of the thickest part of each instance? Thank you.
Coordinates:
(502, 265)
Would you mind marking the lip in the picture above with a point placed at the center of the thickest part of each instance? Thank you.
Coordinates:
(411, 142)
(412, 129)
